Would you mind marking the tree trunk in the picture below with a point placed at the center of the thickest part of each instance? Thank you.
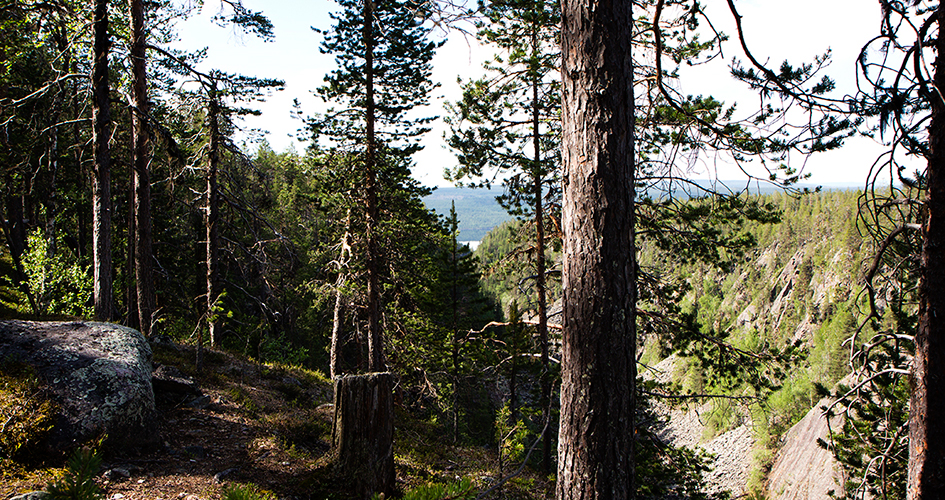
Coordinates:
(101, 178)
(334, 353)
(595, 457)
(141, 178)
(454, 326)
(363, 432)
(131, 290)
(926, 474)
(213, 216)
(376, 361)
(537, 178)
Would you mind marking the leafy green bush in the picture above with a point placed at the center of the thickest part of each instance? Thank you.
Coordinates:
(60, 284)
(511, 436)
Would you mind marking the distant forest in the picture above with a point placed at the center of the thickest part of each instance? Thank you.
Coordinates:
(477, 210)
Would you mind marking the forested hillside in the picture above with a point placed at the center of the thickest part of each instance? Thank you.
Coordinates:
(616, 303)
(477, 209)
(797, 296)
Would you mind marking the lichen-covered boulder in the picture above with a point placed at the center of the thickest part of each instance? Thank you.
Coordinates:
(99, 374)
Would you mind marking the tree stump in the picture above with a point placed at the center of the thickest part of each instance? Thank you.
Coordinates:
(363, 431)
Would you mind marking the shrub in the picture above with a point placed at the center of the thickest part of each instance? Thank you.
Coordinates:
(460, 490)
(78, 483)
(246, 492)
(56, 279)
(28, 413)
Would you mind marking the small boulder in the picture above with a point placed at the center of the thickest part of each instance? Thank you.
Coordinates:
(172, 388)
(117, 474)
(99, 374)
(33, 495)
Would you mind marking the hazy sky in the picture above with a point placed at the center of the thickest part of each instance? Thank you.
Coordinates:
(776, 29)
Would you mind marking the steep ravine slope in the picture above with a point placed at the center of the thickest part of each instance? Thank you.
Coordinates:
(798, 287)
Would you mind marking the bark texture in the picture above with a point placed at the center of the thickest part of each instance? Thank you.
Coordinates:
(595, 450)
(101, 177)
(926, 476)
(338, 316)
(376, 361)
(213, 219)
(363, 432)
(142, 180)
(538, 192)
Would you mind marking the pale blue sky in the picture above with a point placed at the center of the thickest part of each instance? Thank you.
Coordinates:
(777, 29)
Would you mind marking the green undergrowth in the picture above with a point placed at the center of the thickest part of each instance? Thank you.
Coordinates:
(247, 492)
(28, 415)
(78, 480)
(286, 401)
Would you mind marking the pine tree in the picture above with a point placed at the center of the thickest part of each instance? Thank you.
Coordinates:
(384, 72)
(101, 181)
(507, 124)
(598, 365)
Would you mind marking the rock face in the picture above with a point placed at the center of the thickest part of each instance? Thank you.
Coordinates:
(803, 470)
(98, 373)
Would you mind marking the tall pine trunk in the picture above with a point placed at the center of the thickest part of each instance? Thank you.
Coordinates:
(141, 179)
(101, 179)
(376, 362)
(131, 290)
(537, 178)
(926, 474)
(596, 457)
(212, 220)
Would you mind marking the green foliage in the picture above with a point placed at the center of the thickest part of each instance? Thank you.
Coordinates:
(459, 490)
(78, 483)
(278, 348)
(246, 492)
(59, 283)
(402, 51)
(512, 436)
(28, 413)
(873, 444)
(769, 325)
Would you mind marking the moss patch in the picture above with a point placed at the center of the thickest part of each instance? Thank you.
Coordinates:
(27, 412)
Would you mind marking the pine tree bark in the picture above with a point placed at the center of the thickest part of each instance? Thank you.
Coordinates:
(212, 220)
(131, 290)
(926, 472)
(141, 180)
(101, 179)
(595, 459)
(363, 432)
(376, 361)
(538, 192)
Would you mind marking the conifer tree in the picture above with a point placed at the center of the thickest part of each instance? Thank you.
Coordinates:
(383, 52)
(507, 124)
(141, 184)
(101, 181)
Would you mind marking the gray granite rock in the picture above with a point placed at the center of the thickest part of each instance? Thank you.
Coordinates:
(99, 374)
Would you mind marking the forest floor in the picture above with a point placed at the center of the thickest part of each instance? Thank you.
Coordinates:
(269, 427)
